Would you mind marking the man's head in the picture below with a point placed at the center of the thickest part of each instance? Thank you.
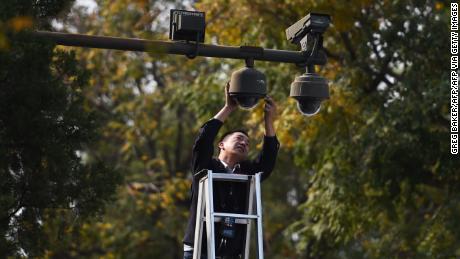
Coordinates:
(234, 143)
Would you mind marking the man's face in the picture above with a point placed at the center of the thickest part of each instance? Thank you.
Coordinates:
(237, 144)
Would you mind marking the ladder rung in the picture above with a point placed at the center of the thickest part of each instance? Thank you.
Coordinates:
(237, 220)
(231, 177)
(235, 215)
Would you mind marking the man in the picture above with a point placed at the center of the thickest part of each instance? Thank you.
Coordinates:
(232, 158)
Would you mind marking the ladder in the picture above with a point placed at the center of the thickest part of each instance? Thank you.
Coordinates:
(205, 213)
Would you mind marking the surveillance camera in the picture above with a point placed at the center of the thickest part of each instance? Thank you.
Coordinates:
(187, 25)
(309, 90)
(313, 22)
(247, 86)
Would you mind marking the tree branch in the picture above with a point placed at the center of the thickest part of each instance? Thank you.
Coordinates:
(348, 45)
(18, 207)
(157, 76)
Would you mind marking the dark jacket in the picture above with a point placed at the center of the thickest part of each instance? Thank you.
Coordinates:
(228, 196)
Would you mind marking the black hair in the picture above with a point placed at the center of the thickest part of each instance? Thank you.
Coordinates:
(228, 133)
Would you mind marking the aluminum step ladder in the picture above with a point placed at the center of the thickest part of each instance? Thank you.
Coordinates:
(205, 204)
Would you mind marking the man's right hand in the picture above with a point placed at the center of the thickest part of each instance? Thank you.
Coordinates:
(229, 102)
(230, 106)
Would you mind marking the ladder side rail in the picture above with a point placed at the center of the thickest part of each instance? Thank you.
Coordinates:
(199, 222)
(260, 241)
(250, 212)
(210, 216)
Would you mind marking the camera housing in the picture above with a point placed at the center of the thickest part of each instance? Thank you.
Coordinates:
(247, 86)
(187, 25)
(312, 23)
(309, 90)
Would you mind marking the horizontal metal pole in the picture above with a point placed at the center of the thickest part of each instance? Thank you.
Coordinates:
(173, 47)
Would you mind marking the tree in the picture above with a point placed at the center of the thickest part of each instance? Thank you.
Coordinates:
(140, 94)
(45, 127)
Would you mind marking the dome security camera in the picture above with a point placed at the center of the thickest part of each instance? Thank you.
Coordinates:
(309, 90)
(247, 86)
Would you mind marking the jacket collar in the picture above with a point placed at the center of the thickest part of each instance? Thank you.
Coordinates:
(235, 169)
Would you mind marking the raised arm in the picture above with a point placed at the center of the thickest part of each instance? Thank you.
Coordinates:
(269, 116)
(265, 162)
(203, 148)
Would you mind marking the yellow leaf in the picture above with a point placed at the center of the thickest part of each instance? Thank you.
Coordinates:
(125, 147)
(438, 6)
(20, 23)
(4, 45)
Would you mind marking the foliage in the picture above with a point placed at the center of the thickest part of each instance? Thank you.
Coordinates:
(45, 127)
(369, 176)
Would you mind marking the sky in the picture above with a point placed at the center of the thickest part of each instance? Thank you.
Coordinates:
(91, 4)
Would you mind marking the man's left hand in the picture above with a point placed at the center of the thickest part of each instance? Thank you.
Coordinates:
(269, 109)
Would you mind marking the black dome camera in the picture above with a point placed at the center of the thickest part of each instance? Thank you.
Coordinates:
(309, 90)
(247, 86)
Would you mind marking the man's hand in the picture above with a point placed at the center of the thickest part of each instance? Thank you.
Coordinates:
(229, 102)
(269, 116)
(230, 106)
(269, 109)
